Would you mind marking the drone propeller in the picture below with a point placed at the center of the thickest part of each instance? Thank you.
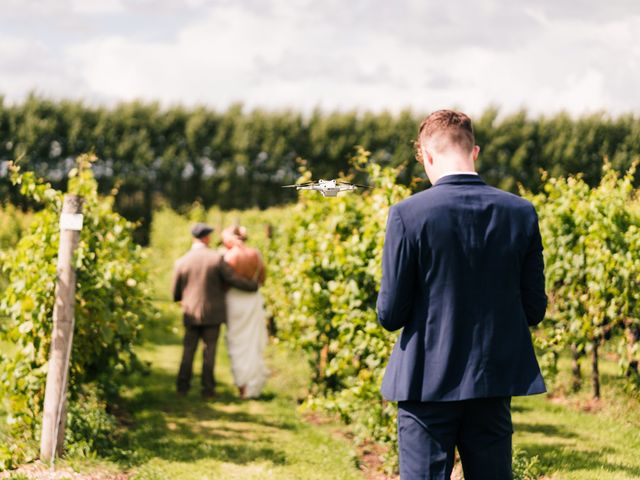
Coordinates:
(355, 184)
(297, 185)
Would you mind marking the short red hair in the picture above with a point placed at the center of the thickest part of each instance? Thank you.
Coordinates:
(447, 128)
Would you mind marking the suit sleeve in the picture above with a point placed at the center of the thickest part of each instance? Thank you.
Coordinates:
(534, 298)
(177, 284)
(395, 299)
(232, 278)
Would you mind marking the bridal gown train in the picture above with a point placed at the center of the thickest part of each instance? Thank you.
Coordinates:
(246, 340)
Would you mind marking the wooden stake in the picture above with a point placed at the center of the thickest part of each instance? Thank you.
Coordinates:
(53, 422)
(595, 372)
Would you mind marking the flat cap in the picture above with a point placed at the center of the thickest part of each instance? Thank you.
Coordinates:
(201, 230)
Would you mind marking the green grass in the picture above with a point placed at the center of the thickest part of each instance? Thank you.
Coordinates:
(171, 437)
(575, 445)
(576, 438)
(190, 438)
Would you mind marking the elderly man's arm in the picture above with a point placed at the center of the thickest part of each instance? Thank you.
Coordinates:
(261, 268)
(262, 276)
(177, 284)
(230, 277)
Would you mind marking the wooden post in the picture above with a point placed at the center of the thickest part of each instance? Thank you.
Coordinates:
(268, 231)
(595, 371)
(576, 374)
(53, 422)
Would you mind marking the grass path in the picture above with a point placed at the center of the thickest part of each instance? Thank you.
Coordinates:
(188, 438)
(227, 438)
(574, 444)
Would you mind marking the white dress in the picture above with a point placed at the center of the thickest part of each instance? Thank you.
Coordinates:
(246, 340)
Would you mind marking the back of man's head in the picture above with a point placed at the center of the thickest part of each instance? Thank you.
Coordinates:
(445, 130)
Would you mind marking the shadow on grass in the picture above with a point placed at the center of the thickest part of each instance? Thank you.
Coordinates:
(186, 429)
(554, 456)
(543, 428)
(517, 408)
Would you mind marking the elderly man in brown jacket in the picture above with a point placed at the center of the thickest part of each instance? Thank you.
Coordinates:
(200, 279)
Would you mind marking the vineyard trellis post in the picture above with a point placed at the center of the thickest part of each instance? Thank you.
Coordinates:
(54, 418)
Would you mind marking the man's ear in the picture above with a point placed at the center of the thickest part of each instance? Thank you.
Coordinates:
(475, 152)
(426, 156)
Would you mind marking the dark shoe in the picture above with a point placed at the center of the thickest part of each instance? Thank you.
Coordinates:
(208, 395)
(182, 393)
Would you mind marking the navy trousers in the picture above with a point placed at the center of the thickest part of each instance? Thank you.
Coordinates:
(428, 433)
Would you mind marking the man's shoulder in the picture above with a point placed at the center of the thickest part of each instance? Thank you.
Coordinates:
(413, 200)
(420, 201)
(518, 207)
(434, 203)
(509, 198)
(199, 256)
(436, 196)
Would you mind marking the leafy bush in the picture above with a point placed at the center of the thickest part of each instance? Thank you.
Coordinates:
(591, 237)
(325, 264)
(111, 304)
(524, 466)
(12, 224)
(325, 267)
(90, 428)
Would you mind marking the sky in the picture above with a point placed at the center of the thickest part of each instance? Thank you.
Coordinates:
(580, 56)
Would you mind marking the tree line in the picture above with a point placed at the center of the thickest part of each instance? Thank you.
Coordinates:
(238, 158)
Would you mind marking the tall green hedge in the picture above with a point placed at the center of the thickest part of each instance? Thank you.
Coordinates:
(238, 158)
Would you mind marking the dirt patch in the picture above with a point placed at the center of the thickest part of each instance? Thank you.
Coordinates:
(316, 418)
(593, 405)
(370, 455)
(590, 405)
(40, 471)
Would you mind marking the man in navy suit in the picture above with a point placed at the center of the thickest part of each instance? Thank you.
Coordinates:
(463, 276)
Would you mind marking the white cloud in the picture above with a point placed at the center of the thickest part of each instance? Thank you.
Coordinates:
(43, 72)
(364, 54)
(97, 7)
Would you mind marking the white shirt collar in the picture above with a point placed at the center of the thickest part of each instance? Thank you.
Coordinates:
(198, 245)
(446, 174)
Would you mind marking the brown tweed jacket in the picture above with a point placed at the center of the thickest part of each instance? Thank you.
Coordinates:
(200, 279)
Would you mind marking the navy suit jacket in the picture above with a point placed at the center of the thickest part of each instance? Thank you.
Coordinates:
(463, 276)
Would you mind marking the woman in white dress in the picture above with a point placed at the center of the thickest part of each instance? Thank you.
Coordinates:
(246, 319)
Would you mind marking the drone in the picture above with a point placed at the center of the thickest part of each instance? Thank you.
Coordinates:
(328, 188)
